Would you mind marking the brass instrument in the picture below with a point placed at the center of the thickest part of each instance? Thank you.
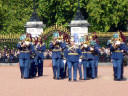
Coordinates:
(58, 40)
(85, 44)
(116, 43)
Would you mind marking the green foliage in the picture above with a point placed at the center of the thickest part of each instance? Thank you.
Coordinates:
(15, 13)
(104, 15)
(57, 11)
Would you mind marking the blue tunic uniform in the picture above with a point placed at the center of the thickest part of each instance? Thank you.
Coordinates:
(63, 67)
(56, 58)
(24, 60)
(88, 59)
(72, 56)
(97, 53)
(117, 57)
(40, 57)
(33, 69)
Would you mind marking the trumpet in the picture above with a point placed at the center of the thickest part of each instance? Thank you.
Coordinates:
(86, 44)
(116, 43)
(58, 40)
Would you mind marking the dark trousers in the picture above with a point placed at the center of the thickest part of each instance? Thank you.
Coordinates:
(56, 67)
(40, 66)
(118, 68)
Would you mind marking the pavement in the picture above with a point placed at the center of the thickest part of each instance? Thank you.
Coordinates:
(12, 85)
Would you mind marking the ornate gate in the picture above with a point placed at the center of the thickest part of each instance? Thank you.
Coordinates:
(9, 40)
(48, 33)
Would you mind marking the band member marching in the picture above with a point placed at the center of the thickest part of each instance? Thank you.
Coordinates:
(33, 69)
(89, 55)
(84, 47)
(24, 56)
(77, 41)
(95, 38)
(21, 55)
(56, 46)
(63, 64)
(117, 47)
(40, 47)
(72, 54)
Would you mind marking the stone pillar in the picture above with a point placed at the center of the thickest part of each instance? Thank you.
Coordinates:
(80, 27)
(34, 27)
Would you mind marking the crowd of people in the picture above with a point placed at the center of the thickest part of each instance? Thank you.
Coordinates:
(12, 55)
(9, 55)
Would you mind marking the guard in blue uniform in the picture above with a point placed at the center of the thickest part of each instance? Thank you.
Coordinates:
(56, 46)
(63, 64)
(97, 53)
(89, 55)
(40, 47)
(24, 57)
(33, 69)
(117, 48)
(21, 55)
(84, 60)
(72, 55)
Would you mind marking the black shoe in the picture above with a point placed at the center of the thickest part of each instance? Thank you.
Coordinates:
(93, 78)
(22, 76)
(58, 78)
(40, 75)
(85, 78)
(119, 79)
(69, 79)
(74, 80)
(25, 77)
(80, 78)
(54, 77)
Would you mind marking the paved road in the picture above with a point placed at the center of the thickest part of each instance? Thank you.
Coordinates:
(12, 85)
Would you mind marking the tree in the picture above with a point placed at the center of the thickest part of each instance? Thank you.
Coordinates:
(58, 11)
(15, 13)
(107, 15)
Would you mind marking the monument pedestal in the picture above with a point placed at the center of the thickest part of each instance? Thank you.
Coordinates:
(80, 27)
(35, 28)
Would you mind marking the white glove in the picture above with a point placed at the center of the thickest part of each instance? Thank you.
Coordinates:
(80, 60)
(85, 45)
(64, 61)
(117, 43)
